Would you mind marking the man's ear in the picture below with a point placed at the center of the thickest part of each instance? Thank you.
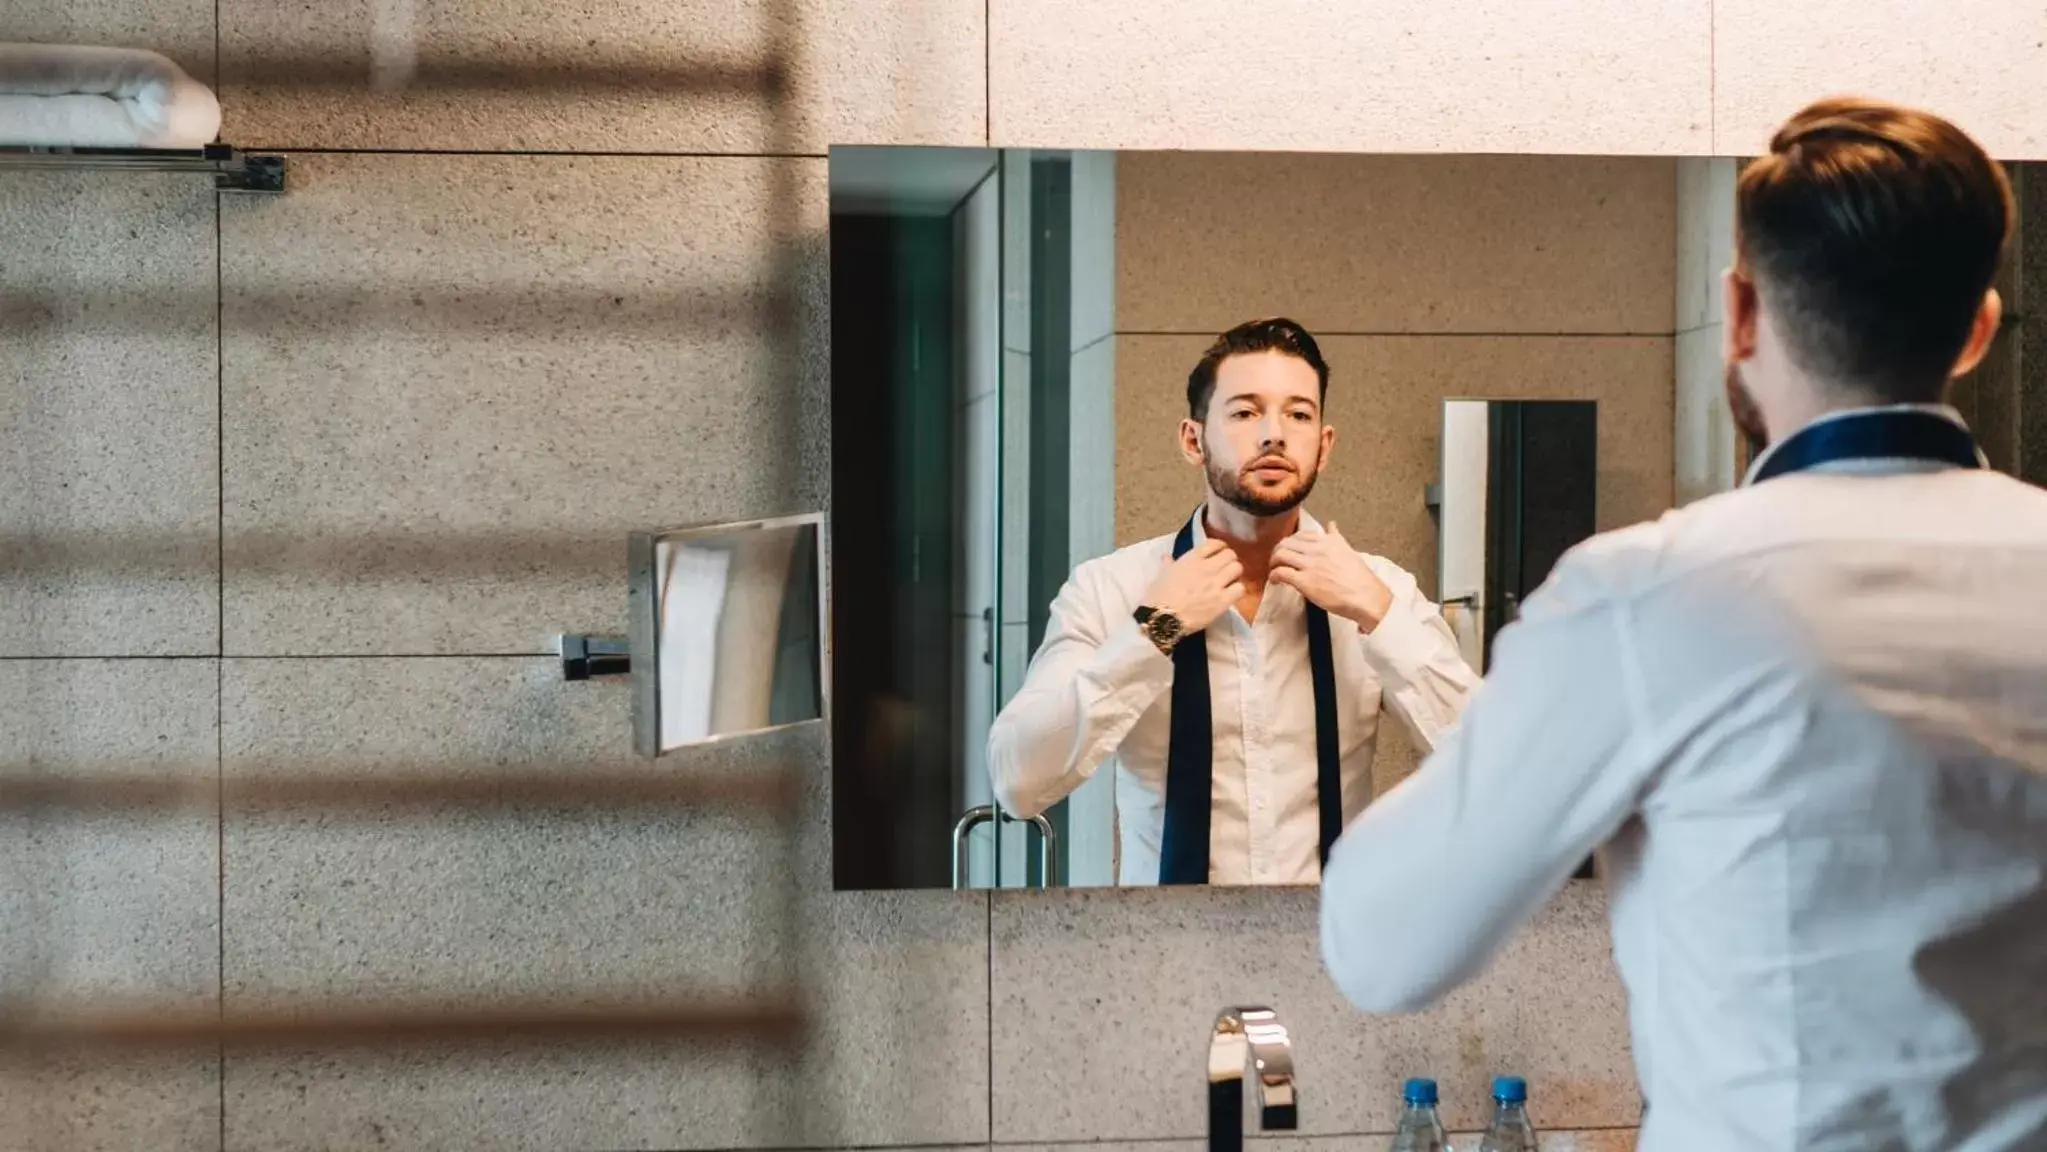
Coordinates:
(1742, 309)
(1190, 442)
(1982, 331)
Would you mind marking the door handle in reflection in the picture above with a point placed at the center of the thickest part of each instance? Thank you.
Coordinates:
(1048, 842)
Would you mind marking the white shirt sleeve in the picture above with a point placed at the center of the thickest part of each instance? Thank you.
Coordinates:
(1546, 764)
(1422, 674)
(1089, 682)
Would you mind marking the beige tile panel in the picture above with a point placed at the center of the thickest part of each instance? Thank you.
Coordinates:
(1385, 399)
(454, 385)
(1977, 64)
(498, 906)
(1608, 76)
(103, 905)
(109, 379)
(1347, 243)
(603, 75)
(1103, 1001)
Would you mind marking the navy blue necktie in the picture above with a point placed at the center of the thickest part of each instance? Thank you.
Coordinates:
(1880, 435)
(1190, 755)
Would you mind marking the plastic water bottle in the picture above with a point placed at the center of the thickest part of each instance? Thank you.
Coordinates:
(1419, 1130)
(1510, 1130)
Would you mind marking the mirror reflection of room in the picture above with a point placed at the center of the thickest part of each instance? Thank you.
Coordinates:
(728, 618)
(1014, 336)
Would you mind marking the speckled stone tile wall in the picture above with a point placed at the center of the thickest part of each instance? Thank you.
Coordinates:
(1404, 76)
(1103, 1000)
(452, 385)
(496, 906)
(98, 908)
(1978, 66)
(109, 373)
(603, 75)
(1474, 245)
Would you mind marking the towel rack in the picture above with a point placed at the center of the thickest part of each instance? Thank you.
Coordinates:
(233, 170)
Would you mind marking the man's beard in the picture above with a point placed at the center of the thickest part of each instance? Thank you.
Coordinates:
(1748, 419)
(1230, 486)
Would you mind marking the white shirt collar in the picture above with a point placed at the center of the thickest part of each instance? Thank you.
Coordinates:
(1307, 523)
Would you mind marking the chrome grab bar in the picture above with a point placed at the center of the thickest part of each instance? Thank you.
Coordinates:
(1048, 843)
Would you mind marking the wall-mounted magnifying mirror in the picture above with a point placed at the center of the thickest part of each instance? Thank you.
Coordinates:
(728, 627)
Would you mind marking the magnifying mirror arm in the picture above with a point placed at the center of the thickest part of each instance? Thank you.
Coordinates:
(585, 657)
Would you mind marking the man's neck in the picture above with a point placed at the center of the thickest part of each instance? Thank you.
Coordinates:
(1812, 404)
(1250, 536)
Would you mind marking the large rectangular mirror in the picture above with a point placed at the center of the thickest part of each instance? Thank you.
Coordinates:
(1016, 453)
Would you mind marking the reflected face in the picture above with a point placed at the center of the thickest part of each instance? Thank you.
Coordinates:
(1264, 441)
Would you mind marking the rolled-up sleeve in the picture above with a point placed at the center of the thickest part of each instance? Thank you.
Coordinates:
(1423, 677)
(1545, 765)
(1088, 684)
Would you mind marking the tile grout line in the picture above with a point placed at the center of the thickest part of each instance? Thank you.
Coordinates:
(544, 153)
(220, 625)
(114, 656)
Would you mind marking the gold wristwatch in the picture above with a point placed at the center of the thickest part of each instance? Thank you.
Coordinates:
(1159, 626)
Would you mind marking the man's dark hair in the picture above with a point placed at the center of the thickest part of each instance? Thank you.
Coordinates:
(1276, 334)
(1873, 232)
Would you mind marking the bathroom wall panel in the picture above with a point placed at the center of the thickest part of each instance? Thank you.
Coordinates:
(109, 373)
(1470, 244)
(1610, 76)
(1977, 63)
(454, 384)
(101, 908)
(495, 907)
(1104, 1000)
(602, 75)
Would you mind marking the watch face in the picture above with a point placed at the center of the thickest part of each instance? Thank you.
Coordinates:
(1164, 627)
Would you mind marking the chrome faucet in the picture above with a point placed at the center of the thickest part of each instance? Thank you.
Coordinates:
(1253, 1037)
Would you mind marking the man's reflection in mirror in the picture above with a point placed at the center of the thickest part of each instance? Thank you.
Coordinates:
(1231, 671)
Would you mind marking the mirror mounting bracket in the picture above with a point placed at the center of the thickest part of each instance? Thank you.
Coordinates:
(585, 657)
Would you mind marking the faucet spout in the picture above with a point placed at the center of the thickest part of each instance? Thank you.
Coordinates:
(1249, 1038)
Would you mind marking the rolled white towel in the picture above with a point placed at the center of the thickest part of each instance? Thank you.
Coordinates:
(63, 95)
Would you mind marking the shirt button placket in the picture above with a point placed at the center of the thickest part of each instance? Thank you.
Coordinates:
(1251, 681)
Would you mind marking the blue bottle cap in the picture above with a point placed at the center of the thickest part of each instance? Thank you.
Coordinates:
(1510, 1090)
(1419, 1091)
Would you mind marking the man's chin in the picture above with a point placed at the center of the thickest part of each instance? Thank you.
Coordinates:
(1267, 506)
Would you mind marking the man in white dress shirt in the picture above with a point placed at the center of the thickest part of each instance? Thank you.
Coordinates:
(1805, 720)
(1231, 673)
